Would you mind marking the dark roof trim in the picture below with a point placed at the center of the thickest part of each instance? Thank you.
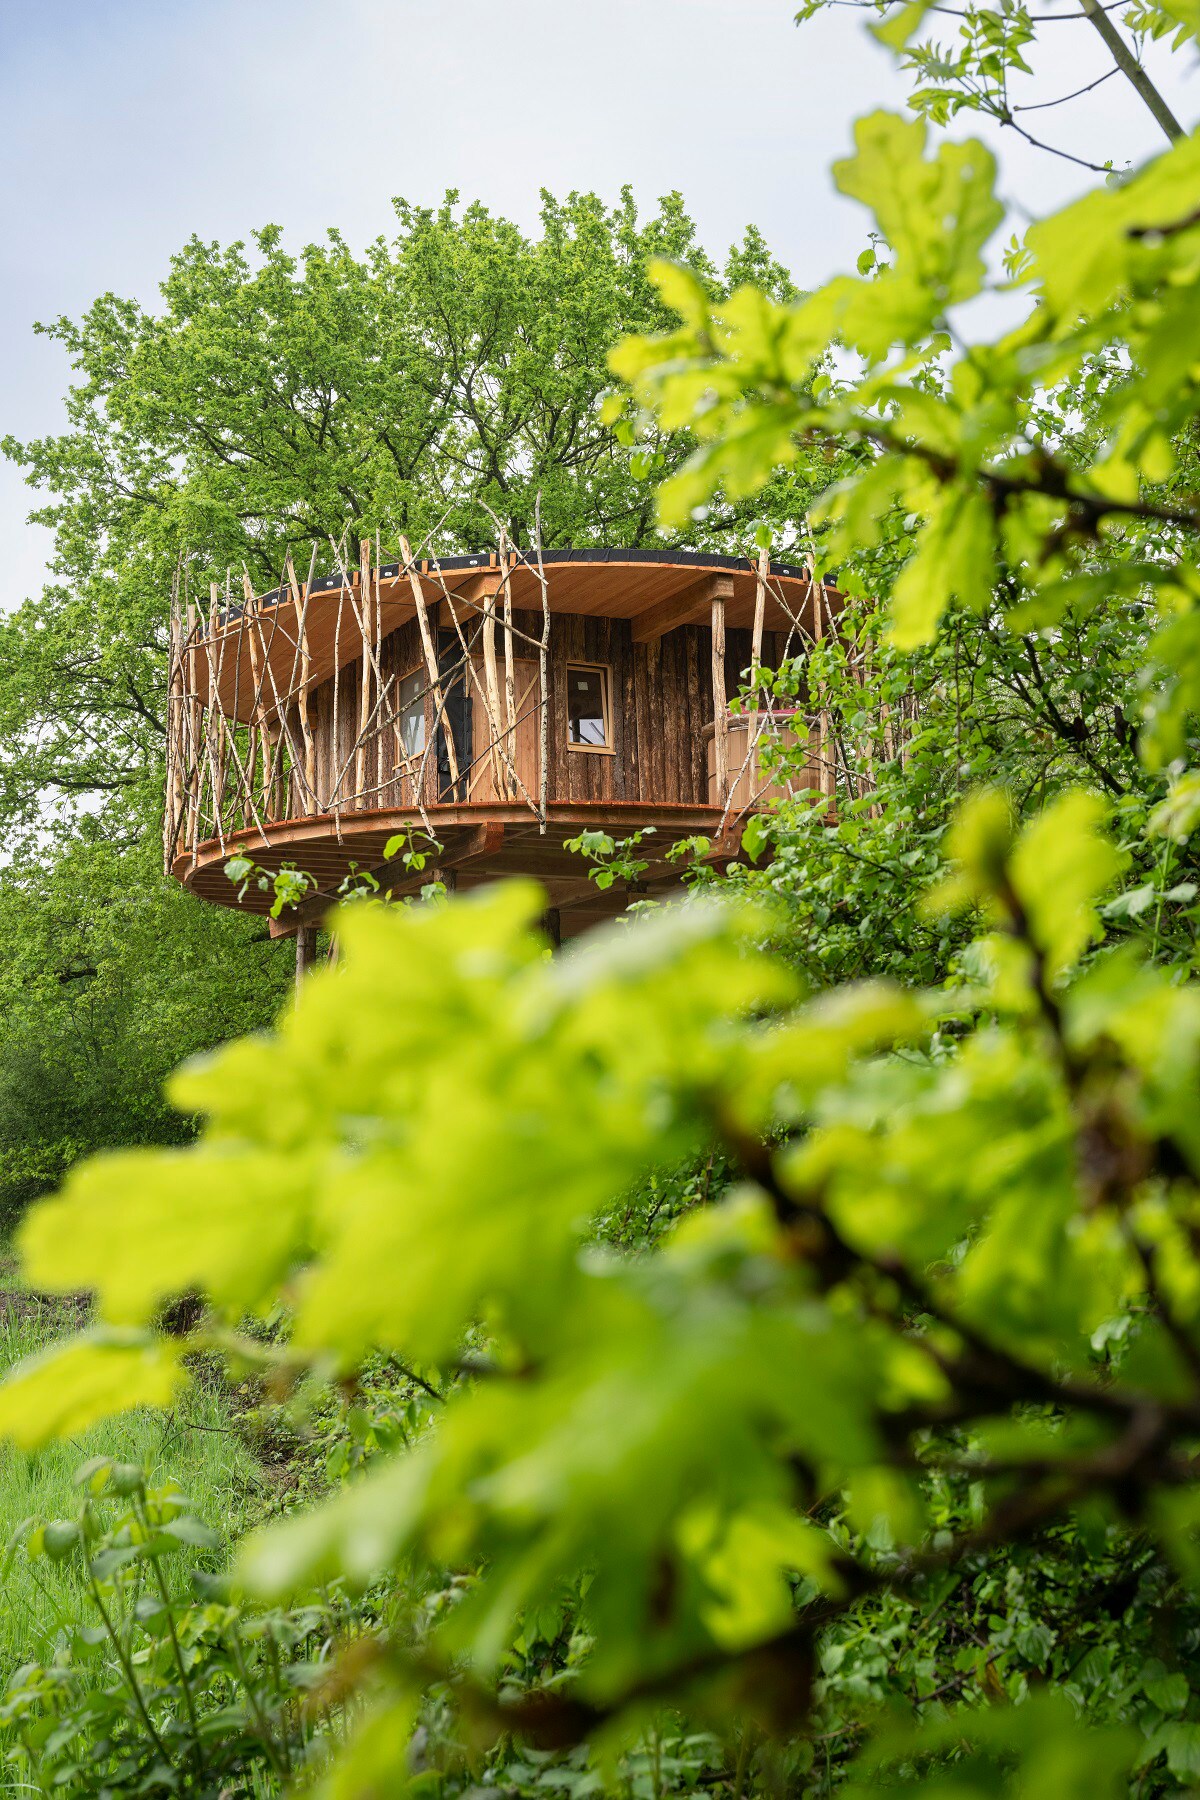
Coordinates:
(684, 559)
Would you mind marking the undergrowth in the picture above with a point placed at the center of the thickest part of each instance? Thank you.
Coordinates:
(198, 1444)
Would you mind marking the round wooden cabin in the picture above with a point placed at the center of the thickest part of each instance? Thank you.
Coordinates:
(496, 706)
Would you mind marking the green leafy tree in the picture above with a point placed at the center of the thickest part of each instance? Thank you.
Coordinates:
(108, 976)
(433, 384)
(1013, 522)
(430, 385)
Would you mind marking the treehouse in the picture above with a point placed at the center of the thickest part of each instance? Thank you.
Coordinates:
(485, 709)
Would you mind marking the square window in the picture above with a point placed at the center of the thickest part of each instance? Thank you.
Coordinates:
(588, 726)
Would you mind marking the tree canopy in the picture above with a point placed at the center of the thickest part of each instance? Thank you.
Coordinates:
(431, 384)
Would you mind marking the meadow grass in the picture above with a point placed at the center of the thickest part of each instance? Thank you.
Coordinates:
(196, 1444)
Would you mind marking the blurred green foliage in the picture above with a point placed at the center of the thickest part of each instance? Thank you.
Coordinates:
(957, 1256)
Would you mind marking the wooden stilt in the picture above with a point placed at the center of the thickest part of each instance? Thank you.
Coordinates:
(825, 772)
(431, 663)
(306, 952)
(364, 686)
(491, 678)
(760, 607)
(720, 698)
(510, 681)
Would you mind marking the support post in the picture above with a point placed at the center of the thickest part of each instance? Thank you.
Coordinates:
(489, 593)
(431, 662)
(760, 607)
(816, 588)
(195, 718)
(306, 952)
(722, 587)
(364, 686)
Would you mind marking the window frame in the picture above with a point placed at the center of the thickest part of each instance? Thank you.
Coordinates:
(604, 670)
(412, 756)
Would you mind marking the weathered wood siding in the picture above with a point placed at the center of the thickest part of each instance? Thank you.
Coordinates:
(661, 699)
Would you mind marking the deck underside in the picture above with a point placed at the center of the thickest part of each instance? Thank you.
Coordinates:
(479, 842)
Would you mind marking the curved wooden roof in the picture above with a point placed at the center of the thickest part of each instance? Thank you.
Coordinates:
(655, 589)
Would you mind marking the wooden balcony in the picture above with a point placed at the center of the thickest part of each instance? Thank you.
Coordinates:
(497, 707)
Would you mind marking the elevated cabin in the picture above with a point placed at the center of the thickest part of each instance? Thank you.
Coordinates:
(497, 706)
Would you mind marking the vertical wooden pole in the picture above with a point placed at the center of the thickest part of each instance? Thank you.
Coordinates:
(816, 590)
(379, 796)
(244, 787)
(304, 666)
(543, 671)
(215, 703)
(258, 730)
(510, 680)
(276, 734)
(193, 716)
(272, 761)
(214, 719)
(760, 611)
(174, 806)
(306, 952)
(364, 686)
(431, 662)
(335, 764)
(251, 810)
(489, 595)
(720, 699)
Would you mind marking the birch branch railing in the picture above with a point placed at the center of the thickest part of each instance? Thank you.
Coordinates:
(242, 758)
(420, 689)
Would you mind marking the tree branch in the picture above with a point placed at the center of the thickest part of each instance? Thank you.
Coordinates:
(1133, 71)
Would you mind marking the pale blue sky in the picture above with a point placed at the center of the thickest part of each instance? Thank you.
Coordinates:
(129, 124)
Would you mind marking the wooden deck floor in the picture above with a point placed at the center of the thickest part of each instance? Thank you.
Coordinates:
(480, 842)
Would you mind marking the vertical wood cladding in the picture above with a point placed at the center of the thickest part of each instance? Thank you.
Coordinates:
(660, 695)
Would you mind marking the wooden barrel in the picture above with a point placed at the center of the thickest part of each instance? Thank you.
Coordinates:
(753, 779)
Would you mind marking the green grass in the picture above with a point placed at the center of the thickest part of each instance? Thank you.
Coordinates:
(195, 1444)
